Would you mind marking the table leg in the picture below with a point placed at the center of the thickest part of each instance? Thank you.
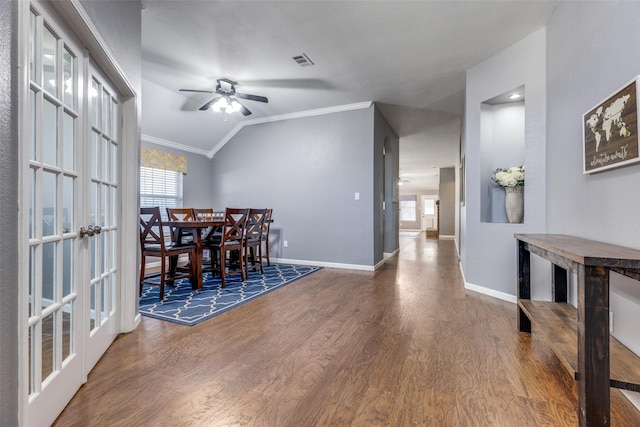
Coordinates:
(593, 346)
(198, 260)
(524, 284)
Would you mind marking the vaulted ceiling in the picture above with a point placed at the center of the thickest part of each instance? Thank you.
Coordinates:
(409, 57)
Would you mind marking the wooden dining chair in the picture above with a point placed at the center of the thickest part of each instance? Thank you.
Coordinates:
(230, 241)
(253, 239)
(266, 228)
(153, 243)
(179, 236)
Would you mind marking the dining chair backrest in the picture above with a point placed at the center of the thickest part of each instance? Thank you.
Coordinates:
(235, 224)
(151, 232)
(180, 214)
(255, 223)
(266, 225)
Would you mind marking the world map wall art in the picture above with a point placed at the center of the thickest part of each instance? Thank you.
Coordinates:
(610, 137)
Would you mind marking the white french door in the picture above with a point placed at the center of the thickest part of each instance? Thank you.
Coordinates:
(69, 219)
(101, 197)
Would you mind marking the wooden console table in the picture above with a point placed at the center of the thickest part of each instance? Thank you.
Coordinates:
(580, 337)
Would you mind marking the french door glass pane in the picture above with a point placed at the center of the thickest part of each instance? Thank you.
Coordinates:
(49, 192)
(104, 292)
(32, 45)
(32, 350)
(92, 307)
(105, 159)
(32, 280)
(67, 341)
(48, 273)
(95, 141)
(104, 212)
(68, 138)
(67, 267)
(48, 334)
(32, 203)
(105, 111)
(49, 133)
(114, 163)
(49, 61)
(69, 79)
(94, 93)
(68, 195)
(32, 151)
(92, 254)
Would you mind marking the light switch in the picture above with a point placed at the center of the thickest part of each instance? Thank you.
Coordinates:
(356, 196)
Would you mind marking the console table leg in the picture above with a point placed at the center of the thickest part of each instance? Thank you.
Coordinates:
(559, 278)
(593, 346)
(524, 284)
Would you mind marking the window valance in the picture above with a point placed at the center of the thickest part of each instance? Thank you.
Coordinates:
(151, 158)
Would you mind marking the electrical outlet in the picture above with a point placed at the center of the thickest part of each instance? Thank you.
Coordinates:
(611, 322)
(285, 244)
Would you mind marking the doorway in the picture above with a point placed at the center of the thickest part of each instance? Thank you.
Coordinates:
(429, 213)
(70, 252)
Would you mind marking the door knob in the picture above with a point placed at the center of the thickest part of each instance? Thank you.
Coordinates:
(86, 231)
(90, 231)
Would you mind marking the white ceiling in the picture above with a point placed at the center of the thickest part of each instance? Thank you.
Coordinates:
(409, 57)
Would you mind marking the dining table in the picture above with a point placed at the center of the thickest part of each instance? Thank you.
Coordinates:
(195, 228)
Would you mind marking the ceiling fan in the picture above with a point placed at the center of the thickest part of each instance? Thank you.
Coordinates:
(226, 99)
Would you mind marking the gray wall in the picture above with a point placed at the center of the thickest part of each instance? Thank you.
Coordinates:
(488, 249)
(307, 170)
(386, 221)
(197, 182)
(447, 195)
(603, 206)
(8, 214)
(119, 23)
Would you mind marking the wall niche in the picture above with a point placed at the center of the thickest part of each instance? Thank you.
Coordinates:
(502, 122)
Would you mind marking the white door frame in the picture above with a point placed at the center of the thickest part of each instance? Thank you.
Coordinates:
(75, 18)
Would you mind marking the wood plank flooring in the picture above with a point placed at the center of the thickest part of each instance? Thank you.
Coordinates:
(405, 345)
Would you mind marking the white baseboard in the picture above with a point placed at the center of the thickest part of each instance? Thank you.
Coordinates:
(387, 255)
(447, 237)
(487, 291)
(326, 264)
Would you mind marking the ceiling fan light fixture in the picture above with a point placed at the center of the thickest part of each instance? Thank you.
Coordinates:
(235, 105)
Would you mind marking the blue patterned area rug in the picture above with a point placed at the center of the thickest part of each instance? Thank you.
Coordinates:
(189, 307)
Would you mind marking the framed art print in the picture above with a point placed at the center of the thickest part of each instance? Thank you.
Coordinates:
(610, 131)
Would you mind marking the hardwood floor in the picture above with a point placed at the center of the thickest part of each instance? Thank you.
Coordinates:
(406, 345)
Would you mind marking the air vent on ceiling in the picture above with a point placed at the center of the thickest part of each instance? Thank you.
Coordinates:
(303, 60)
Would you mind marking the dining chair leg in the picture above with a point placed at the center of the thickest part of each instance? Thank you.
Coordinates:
(259, 247)
(163, 266)
(223, 262)
(142, 270)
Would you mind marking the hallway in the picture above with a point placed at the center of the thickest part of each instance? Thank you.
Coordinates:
(405, 345)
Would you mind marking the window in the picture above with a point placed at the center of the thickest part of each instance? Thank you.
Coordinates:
(407, 210)
(429, 207)
(159, 187)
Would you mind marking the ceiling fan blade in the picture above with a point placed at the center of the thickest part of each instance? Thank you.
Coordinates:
(252, 97)
(244, 110)
(208, 104)
(196, 90)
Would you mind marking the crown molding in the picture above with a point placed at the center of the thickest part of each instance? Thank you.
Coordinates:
(287, 116)
(171, 144)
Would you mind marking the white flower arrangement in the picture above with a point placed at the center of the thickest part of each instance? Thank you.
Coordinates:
(511, 177)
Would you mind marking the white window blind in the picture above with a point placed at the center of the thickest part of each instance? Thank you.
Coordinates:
(407, 210)
(159, 187)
